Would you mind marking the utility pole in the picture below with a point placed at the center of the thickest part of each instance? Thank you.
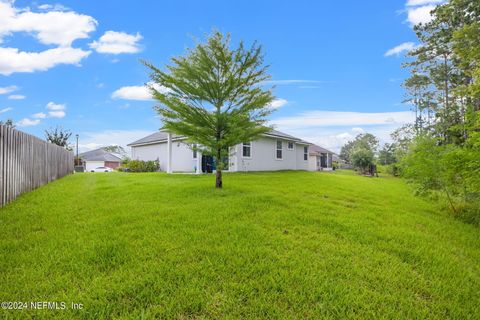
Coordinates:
(76, 161)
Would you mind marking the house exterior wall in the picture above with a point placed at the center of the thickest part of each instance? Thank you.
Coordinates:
(90, 165)
(263, 156)
(112, 164)
(302, 163)
(182, 155)
(312, 162)
(149, 152)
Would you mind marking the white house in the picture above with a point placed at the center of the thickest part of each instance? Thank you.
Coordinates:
(273, 151)
(319, 158)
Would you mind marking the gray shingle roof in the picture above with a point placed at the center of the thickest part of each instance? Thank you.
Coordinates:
(281, 134)
(317, 149)
(161, 136)
(99, 155)
(158, 136)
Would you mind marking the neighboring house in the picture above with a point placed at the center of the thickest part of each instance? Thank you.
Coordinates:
(99, 158)
(273, 151)
(319, 158)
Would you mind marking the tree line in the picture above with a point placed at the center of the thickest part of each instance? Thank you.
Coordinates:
(440, 152)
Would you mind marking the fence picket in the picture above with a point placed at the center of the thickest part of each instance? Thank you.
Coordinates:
(27, 163)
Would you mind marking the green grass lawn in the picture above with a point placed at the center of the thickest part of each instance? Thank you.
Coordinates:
(269, 245)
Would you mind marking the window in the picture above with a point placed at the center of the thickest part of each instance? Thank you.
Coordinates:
(279, 150)
(290, 145)
(247, 149)
(305, 153)
(194, 151)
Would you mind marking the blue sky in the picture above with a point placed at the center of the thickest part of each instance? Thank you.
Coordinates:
(335, 64)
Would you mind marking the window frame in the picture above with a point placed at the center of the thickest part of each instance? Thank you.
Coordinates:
(194, 152)
(278, 149)
(305, 153)
(249, 146)
(288, 145)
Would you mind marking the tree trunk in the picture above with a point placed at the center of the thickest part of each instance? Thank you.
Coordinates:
(218, 180)
(450, 200)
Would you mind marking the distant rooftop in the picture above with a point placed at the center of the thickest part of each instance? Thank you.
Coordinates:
(317, 149)
(158, 136)
(99, 155)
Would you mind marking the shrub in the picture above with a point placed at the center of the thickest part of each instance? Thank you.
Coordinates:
(449, 170)
(392, 169)
(142, 166)
(362, 159)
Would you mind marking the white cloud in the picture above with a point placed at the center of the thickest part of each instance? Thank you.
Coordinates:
(5, 90)
(56, 114)
(117, 42)
(423, 2)
(334, 138)
(12, 60)
(335, 118)
(53, 7)
(331, 129)
(277, 103)
(94, 140)
(39, 115)
(358, 130)
(57, 110)
(141, 93)
(401, 48)
(55, 106)
(25, 122)
(16, 97)
(51, 28)
(132, 93)
(417, 15)
(5, 110)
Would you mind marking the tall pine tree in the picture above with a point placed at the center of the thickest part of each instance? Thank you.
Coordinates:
(213, 96)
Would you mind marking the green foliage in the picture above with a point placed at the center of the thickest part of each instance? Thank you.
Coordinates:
(444, 83)
(444, 87)
(362, 141)
(213, 96)
(361, 152)
(402, 138)
(362, 159)
(157, 246)
(141, 166)
(58, 136)
(116, 149)
(386, 155)
(449, 170)
(8, 122)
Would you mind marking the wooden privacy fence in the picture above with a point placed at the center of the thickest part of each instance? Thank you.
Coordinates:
(27, 162)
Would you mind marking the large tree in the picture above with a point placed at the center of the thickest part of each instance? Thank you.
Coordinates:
(442, 154)
(8, 122)
(58, 136)
(213, 96)
(362, 141)
(116, 149)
